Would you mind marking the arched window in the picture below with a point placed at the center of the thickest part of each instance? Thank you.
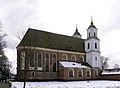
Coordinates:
(47, 61)
(32, 60)
(80, 72)
(22, 55)
(95, 45)
(64, 57)
(96, 73)
(73, 58)
(32, 73)
(88, 45)
(95, 58)
(82, 58)
(88, 73)
(54, 62)
(40, 57)
(71, 73)
(94, 34)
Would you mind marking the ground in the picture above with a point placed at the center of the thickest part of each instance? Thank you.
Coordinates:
(71, 84)
(5, 85)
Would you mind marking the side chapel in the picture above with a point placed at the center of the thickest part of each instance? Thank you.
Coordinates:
(43, 55)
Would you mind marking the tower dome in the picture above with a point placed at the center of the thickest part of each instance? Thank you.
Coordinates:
(77, 34)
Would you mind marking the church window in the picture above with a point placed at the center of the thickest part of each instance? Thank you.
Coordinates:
(54, 62)
(88, 45)
(73, 58)
(32, 73)
(32, 60)
(71, 72)
(81, 58)
(95, 45)
(89, 34)
(40, 57)
(88, 72)
(64, 57)
(80, 72)
(96, 73)
(22, 60)
(94, 34)
(47, 62)
(95, 58)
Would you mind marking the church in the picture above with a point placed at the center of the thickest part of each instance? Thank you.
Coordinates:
(43, 55)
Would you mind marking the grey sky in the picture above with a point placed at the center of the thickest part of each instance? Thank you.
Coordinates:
(61, 16)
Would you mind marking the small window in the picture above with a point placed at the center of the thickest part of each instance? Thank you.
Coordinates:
(80, 72)
(96, 73)
(94, 34)
(64, 57)
(32, 73)
(95, 45)
(88, 45)
(71, 73)
(81, 58)
(89, 34)
(88, 73)
(95, 58)
(73, 58)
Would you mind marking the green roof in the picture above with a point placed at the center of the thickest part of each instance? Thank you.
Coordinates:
(43, 39)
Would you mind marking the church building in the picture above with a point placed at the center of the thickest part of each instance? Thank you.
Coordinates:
(43, 55)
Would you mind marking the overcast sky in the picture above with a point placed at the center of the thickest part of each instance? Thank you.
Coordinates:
(61, 16)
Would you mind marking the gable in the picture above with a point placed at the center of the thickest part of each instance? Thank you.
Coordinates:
(43, 39)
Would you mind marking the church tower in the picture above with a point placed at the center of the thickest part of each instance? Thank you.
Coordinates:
(92, 46)
(77, 34)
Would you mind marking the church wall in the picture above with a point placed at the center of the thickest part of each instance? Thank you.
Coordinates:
(64, 75)
(110, 77)
(43, 73)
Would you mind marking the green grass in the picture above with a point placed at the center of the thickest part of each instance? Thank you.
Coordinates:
(5, 85)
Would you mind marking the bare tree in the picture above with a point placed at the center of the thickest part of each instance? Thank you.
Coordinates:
(104, 62)
(27, 52)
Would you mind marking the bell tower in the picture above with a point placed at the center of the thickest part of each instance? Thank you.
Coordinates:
(92, 46)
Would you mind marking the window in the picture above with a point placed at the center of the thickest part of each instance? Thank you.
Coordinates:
(88, 45)
(64, 57)
(40, 57)
(88, 72)
(80, 72)
(95, 58)
(54, 62)
(89, 34)
(32, 73)
(81, 58)
(32, 60)
(73, 58)
(47, 61)
(22, 60)
(94, 34)
(95, 45)
(96, 73)
(71, 72)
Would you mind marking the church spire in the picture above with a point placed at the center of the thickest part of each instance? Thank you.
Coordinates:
(76, 29)
(92, 25)
(91, 20)
(77, 34)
